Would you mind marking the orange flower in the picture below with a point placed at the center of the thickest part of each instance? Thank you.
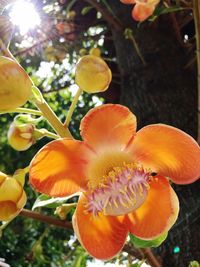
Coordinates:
(123, 177)
(142, 9)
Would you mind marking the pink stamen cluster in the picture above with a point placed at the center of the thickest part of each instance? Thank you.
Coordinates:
(123, 188)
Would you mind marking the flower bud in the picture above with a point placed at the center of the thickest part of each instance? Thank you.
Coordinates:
(71, 15)
(15, 85)
(21, 137)
(12, 197)
(95, 51)
(82, 52)
(92, 74)
(64, 209)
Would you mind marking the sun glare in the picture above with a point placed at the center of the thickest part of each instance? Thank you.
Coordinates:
(24, 15)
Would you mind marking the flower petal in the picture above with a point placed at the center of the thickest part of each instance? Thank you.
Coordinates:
(8, 210)
(159, 212)
(167, 151)
(10, 190)
(141, 11)
(102, 236)
(58, 169)
(108, 125)
(128, 2)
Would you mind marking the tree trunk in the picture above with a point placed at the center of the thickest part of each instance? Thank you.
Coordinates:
(163, 91)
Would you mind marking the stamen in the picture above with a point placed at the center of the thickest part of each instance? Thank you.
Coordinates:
(123, 190)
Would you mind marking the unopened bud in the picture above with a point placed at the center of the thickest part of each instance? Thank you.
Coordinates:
(71, 15)
(92, 74)
(21, 137)
(12, 197)
(15, 85)
(63, 210)
(95, 51)
(82, 52)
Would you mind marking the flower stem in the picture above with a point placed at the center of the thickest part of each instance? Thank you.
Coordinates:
(24, 110)
(129, 35)
(151, 259)
(72, 107)
(4, 225)
(5, 51)
(53, 120)
(39, 133)
(196, 12)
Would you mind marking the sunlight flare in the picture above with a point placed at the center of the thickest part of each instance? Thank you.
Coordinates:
(24, 15)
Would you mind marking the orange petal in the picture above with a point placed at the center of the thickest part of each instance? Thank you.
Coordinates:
(168, 151)
(58, 169)
(128, 2)
(159, 212)
(108, 125)
(141, 11)
(102, 236)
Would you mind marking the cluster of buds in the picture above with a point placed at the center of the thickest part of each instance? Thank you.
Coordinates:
(12, 197)
(142, 9)
(16, 86)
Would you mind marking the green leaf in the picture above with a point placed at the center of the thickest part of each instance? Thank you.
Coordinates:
(50, 202)
(85, 10)
(79, 260)
(139, 243)
(194, 264)
(160, 10)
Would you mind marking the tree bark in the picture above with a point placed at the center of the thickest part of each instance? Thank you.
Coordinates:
(162, 91)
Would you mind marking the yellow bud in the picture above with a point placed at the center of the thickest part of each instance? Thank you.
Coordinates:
(95, 51)
(20, 137)
(82, 52)
(12, 197)
(92, 74)
(71, 15)
(15, 85)
(64, 209)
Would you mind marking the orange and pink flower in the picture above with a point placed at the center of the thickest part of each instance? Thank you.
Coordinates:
(122, 176)
(142, 9)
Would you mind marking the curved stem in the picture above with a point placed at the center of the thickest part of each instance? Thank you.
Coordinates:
(51, 135)
(24, 110)
(39, 133)
(72, 107)
(4, 225)
(5, 51)
(129, 35)
(26, 169)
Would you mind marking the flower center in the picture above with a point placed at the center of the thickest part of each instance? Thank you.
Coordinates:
(122, 190)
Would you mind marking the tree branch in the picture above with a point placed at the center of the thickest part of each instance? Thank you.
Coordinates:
(106, 15)
(46, 219)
